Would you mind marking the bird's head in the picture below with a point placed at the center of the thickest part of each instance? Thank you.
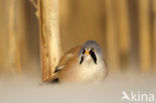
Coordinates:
(90, 52)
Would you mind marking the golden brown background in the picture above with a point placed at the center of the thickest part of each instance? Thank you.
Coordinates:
(125, 29)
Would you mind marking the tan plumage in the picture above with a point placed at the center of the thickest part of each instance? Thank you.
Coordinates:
(68, 61)
(70, 69)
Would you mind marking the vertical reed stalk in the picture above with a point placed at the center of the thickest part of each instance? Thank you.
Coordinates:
(144, 35)
(111, 36)
(13, 51)
(47, 13)
(123, 31)
(154, 32)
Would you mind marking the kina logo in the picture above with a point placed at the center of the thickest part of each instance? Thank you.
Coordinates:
(137, 97)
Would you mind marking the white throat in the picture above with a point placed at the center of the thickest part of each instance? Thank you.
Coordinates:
(89, 70)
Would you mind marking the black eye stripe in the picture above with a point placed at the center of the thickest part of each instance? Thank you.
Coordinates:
(82, 58)
(93, 56)
(92, 49)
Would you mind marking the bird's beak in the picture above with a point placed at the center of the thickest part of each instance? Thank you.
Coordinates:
(86, 52)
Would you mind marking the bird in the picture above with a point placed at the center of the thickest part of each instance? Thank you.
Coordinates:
(82, 64)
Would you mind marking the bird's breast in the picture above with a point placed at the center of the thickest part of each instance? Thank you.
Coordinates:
(88, 72)
(84, 72)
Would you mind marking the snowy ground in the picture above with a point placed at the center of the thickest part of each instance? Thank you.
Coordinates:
(29, 90)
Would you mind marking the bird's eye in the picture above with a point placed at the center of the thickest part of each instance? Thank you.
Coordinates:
(92, 50)
(83, 51)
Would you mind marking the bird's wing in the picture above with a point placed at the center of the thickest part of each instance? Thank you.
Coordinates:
(67, 58)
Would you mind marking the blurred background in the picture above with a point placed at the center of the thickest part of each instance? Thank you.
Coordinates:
(125, 29)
